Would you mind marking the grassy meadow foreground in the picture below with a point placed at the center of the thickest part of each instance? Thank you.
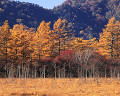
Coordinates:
(59, 87)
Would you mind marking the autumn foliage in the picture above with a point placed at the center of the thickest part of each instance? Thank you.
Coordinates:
(26, 52)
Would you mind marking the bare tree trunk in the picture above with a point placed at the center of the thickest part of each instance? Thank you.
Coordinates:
(55, 70)
(98, 76)
(86, 74)
(40, 73)
(10, 72)
(111, 74)
(118, 76)
(70, 70)
(44, 72)
(105, 72)
(59, 73)
(22, 70)
(114, 75)
(27, 73)
(81, 73)
(32, 74)
(91, 72)
(78, 72)
(19, 71)
(7, 71)
(64, 70)
(35, 71)
(94, 73)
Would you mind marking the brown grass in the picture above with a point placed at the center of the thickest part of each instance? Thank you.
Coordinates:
(59, 87)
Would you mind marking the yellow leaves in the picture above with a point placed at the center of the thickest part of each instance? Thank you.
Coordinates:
(108, 39)
(22, 42)
(42, 38)
(61, 36)
(60, 26)
(5, 31)
(5, 37)
(111, 21)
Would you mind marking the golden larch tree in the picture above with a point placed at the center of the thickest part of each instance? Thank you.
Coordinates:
(42, 43)
(61, 35)
(109, 39)
(5, 37)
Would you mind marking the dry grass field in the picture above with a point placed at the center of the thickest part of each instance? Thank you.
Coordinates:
(59, 87)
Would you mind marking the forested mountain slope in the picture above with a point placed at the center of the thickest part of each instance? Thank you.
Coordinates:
(88, 17)
(21, 12)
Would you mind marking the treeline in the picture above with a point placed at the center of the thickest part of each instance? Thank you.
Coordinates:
(29, 53)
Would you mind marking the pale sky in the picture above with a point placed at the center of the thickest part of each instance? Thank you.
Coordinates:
(49, 4)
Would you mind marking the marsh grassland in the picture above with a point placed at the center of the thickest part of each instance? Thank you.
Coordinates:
(59, 87)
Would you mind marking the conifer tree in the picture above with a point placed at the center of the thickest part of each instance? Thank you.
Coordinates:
(20, 48)
(42, 46)
(109, 39)
(61, 34)
(5, 37)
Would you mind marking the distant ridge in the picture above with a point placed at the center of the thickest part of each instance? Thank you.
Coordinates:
(23, 12)
(88, 17)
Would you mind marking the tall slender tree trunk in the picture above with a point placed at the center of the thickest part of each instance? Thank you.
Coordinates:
(111, 74)
(105, 72)
(35, 74)
(22, 69)
(86, 73)
(83, 73)
(64, 70)
(118, 76)
(114, 72)
(19, 71)
(78, 72)
(55, 70)
(44, 72)
(94, 73)
(30, 66)
(59, 73)
(69, 70)
(6, 71)
(40, 73)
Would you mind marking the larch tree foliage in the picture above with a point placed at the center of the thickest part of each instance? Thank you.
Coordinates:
(42, 40)
(42, 45)
(61, 34)
(5, 37)
(15, 43)
(22, 32)
(110, 38)
(20, 48)
(80, 43)
(31, 39)
(31, 62)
